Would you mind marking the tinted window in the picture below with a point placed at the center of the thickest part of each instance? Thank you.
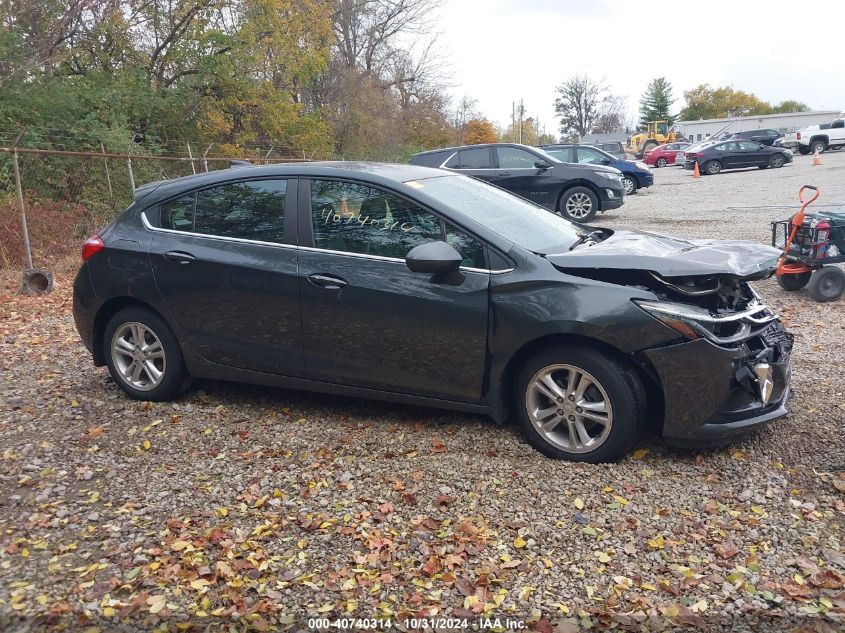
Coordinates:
(726, 147)
(470, 249)
(838, 123)
(567, 154)
(590, 155)
(253, 210)
(354, 218)
(476, 158)
(178, 214)
(749, 146)
(516, 158)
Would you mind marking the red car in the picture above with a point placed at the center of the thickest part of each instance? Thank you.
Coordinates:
(663, 155)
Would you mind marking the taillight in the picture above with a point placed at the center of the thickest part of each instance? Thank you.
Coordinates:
(91, 247)
(694, 155)
(799, 136)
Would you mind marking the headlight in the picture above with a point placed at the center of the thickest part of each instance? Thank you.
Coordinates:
(609, 175)
(693, 322)
(641, 165)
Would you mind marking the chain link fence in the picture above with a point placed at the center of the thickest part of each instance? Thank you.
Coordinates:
(73, 183)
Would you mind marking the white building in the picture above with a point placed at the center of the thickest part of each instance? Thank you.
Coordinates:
(705, 128)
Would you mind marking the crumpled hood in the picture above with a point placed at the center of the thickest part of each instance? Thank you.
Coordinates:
(672, 257)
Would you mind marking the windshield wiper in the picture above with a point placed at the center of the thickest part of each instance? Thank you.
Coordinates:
(584, 237)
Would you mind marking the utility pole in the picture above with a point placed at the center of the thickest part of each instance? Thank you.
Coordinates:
(521, 112)
(513, 121)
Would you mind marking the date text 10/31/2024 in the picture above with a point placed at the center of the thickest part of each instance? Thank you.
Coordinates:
(415, 624)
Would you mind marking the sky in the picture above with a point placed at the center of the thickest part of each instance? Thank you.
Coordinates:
(501, 51)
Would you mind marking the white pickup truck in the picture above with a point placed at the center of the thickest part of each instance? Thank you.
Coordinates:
(819, 137)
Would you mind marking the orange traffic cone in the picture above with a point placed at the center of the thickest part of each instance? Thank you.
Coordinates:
(817, 159)
(695, 172)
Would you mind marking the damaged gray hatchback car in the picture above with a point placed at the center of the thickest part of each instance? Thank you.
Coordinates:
(414, 285)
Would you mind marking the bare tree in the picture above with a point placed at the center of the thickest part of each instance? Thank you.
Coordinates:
(578, 103)
(611, 116)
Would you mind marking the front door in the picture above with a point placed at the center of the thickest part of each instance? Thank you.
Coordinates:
(519, 174)
(369, 321)
(753, 154)
(225, 262)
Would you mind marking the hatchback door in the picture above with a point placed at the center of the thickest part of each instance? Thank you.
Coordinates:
(368, 321)
(224, 260)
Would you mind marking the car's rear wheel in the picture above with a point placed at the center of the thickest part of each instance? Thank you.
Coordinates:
(827, 284)
(777, 161)
(794, 282)
(630, 184)
(579, 204)
(712, 167)
(803, 150)
(579, 404)
(661, 162)
(143, 356)
(818, 146)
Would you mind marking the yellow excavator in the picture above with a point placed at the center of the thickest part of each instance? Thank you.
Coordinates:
(656, 133)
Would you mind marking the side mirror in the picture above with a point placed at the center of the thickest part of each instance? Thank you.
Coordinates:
(433, 257)
(605, 161)
(541, 164)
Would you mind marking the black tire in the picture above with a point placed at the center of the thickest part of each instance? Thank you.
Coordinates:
(777, 161)
(803, 150)
(630, 184)
(620, 384)
(574, 203)
(712, 167)
(794, 282)
(818, 146)
(661, 162)
(648, 146)
(174, 377)
(827, 284)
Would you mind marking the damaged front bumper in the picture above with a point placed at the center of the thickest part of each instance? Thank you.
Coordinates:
(713, 392)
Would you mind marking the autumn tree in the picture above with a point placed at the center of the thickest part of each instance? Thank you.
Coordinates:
(578, 103)
(479, 131)
(611, 117)
(704, 102)
(656, 102)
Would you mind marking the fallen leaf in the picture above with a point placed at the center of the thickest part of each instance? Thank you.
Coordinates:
(726, 549)
(579, 503)
(639, 454)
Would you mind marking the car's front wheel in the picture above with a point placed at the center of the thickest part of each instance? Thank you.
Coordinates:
(630, 184)
(713, 167)
(579, 404)
(143, 356)
(661, 162)
(579, 204)
(776, 161)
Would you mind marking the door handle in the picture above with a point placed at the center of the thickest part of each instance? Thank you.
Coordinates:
(329, 282)
(179, 257)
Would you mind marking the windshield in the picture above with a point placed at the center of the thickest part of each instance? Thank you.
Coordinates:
(522, 222)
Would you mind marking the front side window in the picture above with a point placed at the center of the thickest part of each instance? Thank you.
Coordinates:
(354, 218)
(516, 158)
(470, 249)
(749, 146)
(590, 156)
(253, 210)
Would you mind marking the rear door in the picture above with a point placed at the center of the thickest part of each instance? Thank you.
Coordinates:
(368, 320)
(728, 154)
(224, 260)
(474, 161)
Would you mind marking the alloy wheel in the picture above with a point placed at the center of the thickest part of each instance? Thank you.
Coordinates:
(777, 161)
(661, 162)
(629, 185)
(569, 408)
(138, 356)
(579, 205)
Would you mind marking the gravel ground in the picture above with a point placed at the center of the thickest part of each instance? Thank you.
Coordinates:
(246, 507)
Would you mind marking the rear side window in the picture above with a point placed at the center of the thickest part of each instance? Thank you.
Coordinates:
(253, 210)
(516, 158)
(178, 214)
(475, 158)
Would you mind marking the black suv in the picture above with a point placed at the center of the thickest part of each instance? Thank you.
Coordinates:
(575, 191)
(765, 137)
